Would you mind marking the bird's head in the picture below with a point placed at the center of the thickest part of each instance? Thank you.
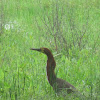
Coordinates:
(43, 50)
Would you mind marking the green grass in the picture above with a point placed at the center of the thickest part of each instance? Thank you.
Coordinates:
(23, 72)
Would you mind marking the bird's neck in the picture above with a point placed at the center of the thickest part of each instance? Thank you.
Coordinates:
(50, 70)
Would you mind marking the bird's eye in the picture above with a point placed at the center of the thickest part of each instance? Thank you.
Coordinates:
(42, 50)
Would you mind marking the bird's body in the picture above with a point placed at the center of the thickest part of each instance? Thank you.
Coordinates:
(57, 83)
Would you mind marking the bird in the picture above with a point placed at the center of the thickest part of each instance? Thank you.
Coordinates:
(58, 84)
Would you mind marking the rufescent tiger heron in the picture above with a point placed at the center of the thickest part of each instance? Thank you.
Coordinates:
(57, 83)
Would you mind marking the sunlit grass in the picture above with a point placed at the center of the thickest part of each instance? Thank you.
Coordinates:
(23, 72)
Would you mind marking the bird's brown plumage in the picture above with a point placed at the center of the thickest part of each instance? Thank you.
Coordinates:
(57, 83)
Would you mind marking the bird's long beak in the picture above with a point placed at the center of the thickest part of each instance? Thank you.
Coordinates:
(35, 49)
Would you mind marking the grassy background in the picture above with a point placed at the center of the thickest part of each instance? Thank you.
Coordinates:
(23, 72)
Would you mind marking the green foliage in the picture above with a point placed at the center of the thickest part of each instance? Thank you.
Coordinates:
(23, 72)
